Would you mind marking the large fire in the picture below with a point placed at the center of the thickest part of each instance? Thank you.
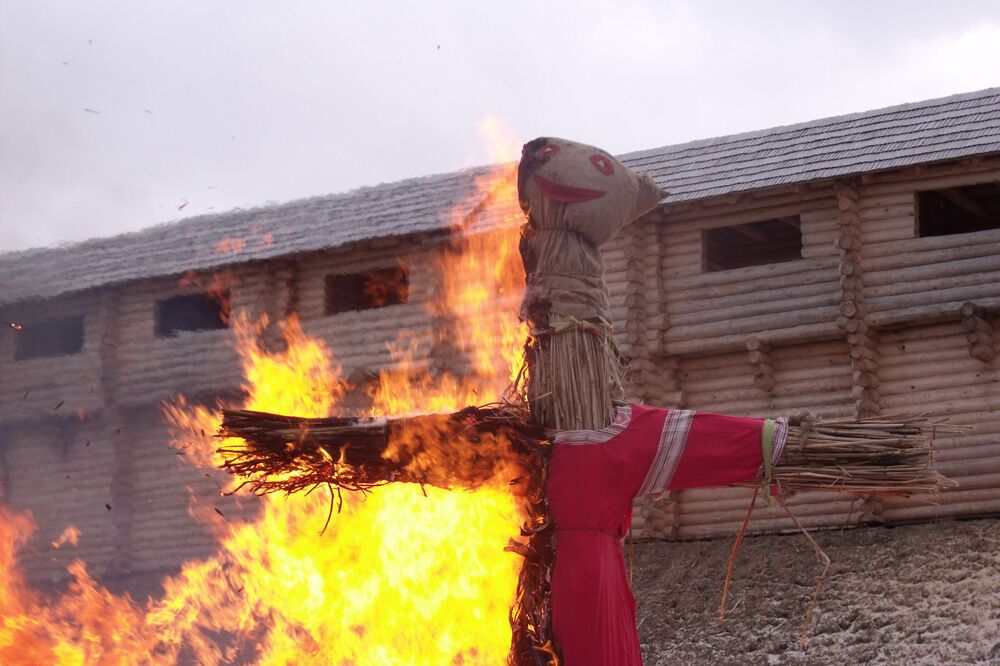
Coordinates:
(402, 575)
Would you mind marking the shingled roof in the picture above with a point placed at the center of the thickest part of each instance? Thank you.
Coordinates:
(918, 133)
(897, 136)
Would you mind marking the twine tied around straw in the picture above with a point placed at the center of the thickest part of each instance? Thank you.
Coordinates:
(572, 374)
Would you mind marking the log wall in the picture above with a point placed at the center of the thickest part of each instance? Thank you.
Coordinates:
(195, 363)
(360, 341)
(783, 302)
(896, 323)
(62, 472)
(44, 388)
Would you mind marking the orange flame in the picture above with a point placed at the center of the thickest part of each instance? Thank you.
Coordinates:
(70, 535)
(404, 575)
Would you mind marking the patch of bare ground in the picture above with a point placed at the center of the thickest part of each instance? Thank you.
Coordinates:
(919, 594)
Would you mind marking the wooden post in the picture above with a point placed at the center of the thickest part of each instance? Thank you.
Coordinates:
(979, 332)
(861, 339)
(761, 364)
(645, 317)
(113, 418)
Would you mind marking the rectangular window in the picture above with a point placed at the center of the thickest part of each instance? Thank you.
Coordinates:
(958, 210)
(52, 337)
(195, 312)
(752, 244)
(363, 291)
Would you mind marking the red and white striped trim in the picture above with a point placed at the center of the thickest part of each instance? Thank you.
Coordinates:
(673, 438)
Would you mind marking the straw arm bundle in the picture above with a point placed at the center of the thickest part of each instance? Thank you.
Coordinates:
(883, 456)
(273, 452)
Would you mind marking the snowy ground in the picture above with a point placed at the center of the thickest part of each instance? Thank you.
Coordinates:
(921, 594)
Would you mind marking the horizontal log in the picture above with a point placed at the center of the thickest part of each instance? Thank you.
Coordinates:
(884, 316)
(890, 235)
(745, 392)
(930, 250)
(944, 385)
(838, 507)
(812, 369)
(937, 296)
(759, 526)
(930, 373)
(968, 481)
(734, 498)
(965, 460)
(972, 508)
(767, 275)
(688, 342)
(933, 276)
(968, 401)
(898, 215)
(716, 213)
(923, 337)
(821, 404)
(754, 323)
(933, 284)
(769, 297)
(901, 182)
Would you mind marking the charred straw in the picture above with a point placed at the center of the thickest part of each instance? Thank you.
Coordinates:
(276, 453)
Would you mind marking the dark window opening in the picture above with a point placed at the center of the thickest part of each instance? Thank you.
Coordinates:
(196, 312)
(53, 337)
(958, 210)
(364, 291)
(753, 244)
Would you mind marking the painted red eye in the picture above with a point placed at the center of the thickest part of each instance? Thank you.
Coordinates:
(603, 164)
(546, 151)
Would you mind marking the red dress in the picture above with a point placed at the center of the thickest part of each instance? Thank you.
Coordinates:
(594, 476)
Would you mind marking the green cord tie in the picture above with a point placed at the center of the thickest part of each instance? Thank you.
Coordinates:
(567, 324)
(767, 451)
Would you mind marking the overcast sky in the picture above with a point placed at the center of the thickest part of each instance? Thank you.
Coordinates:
(115, 114)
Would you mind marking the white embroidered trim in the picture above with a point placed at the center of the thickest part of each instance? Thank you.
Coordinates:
(623, 415)
(673, 438)
(780, 437)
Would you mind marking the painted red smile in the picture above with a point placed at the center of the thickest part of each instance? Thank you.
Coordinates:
(565, 193)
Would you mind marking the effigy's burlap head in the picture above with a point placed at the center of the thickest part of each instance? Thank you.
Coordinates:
(576, 198)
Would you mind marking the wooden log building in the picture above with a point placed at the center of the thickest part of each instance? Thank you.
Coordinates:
(849, 266)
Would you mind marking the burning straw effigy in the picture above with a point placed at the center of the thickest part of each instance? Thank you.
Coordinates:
(273, 453)
(575, 198)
